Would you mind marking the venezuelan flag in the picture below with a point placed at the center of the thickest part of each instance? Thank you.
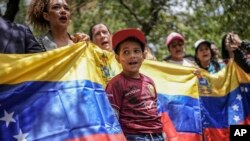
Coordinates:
(178, 99)
(200, 107)
(228, 104)
(57, 95)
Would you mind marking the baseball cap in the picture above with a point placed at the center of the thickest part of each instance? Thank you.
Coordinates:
(197, 43)
(173, 36)
(123, 34)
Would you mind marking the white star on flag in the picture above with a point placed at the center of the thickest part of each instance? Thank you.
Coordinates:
(236, 118)
(8, 118)
(246, 89)
(21, 136)
(235, 107)
(239, 97)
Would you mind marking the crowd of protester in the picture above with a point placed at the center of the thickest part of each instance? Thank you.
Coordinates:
(129, 88)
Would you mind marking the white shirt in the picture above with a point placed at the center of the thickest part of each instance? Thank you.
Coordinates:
(184, 62)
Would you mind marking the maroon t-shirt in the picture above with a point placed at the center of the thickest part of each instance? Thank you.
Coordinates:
(136, 103)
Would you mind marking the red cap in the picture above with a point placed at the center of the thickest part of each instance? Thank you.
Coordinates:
(123, 34)
(173, 36)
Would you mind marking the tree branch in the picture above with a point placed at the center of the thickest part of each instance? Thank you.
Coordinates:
(155, 8)
(132, 12)
(12, 9)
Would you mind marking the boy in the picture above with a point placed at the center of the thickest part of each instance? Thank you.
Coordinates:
(132, 94)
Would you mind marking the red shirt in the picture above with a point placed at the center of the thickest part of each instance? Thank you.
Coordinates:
(136, 102)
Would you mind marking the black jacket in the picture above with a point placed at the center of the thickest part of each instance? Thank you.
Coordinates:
(240, 56)
(17, 39)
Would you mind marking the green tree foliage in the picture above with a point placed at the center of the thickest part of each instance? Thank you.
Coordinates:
(144, 14)
(236, 16)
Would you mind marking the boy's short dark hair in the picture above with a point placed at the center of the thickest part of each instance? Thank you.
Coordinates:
(129, 34)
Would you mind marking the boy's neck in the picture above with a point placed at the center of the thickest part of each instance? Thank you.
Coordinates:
(132, 75)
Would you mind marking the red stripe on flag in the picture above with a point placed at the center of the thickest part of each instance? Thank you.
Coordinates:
(215, 134)
(189, 137)
(173, 135)
(168, 127)
(101, 137)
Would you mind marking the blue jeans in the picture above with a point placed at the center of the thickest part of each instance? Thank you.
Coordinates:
(144, 137)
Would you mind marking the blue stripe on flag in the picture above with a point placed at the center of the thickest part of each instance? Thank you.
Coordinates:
(233, 108)
(184, 112)
(56, 110)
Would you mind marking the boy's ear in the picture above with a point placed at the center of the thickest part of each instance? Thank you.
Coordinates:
(117, 58)
(145, 54)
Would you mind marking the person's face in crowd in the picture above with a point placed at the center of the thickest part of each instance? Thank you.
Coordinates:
(102, 37)
(177, 50)
(130, 57)
(215, 50)
(58, 13)
(204, 53)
